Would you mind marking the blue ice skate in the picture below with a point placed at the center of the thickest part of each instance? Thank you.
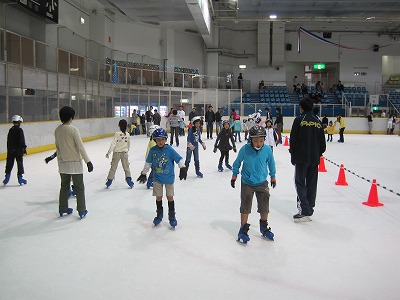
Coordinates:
(108, 183)
(228, 166)
(243, 237)
(129, 181)
(157, 220)
(199, 174)
(82, 214)
(149, 183)
(6, 179)
(172, 220)
(68, 212)
(220, 168)
(265, 230)
(21, 180)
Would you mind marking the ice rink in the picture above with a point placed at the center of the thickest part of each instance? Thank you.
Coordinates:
(348, 251)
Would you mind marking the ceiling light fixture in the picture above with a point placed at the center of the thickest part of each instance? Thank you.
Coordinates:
(242, 66)
(272, 16)
(370, 18)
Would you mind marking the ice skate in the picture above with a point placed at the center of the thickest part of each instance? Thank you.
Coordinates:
(199, 174)
(108, 183)
(82, 214)
(228, 166)
(157, 220)
(297, 218)
(220, 168)
(68, 212)
(129, 181)
(21, 180)
(172, 219)
(243, 237)
(6, 179)
(265, 230)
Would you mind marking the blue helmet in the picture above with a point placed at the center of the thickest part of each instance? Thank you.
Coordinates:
(159, 133)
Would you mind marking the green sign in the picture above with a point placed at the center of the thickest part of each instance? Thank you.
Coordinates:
(319, 67)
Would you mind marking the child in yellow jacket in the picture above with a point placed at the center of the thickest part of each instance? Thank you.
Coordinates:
(330, 130)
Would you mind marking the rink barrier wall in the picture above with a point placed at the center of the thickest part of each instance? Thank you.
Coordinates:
(39, 136)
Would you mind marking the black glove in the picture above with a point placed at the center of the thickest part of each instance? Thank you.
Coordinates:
(234, 149)
(142, 178)
(273, 182)
(233, 180)
(183, 173)
(215, 150)
(89, 166)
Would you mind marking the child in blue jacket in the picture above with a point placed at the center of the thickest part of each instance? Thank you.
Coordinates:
(237, 128)
(193, 140)
(161, 159)
(257, 160)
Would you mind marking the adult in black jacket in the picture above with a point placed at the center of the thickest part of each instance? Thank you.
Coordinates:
(307, 144)
(210, 119)
(279, 124)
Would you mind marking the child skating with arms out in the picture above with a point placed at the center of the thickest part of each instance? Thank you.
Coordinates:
(161, 159)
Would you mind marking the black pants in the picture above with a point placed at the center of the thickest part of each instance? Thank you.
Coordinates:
(341, 131)
(18, 156)
(306, 179)
(210, 128)
(224, 154)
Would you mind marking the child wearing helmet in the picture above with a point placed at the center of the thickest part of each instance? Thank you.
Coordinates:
(237, 128)
(257, 163)
(193, 140)
(222, 143)
(161, 160)
(119, 148)
(16, 148)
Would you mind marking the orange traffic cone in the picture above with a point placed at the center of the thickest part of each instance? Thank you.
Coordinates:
(373, 196)
(342, 177)
(321, 166)
(286, 141)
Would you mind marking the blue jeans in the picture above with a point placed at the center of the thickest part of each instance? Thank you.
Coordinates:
(189, 158)
(210, 128)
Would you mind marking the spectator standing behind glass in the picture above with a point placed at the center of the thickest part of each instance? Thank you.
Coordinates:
(218, 121)
(294, 84)
(240, 81)
(340, 86)
(307, 144)
(210, 119)
(174, 120)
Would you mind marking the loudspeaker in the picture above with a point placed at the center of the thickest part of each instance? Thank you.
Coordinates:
(288, 47)
(327, 35)
(375, 48)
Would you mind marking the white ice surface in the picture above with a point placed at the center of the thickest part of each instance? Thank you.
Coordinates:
(348, 251)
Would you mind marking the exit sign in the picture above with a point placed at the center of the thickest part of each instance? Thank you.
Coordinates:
(319, 67)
